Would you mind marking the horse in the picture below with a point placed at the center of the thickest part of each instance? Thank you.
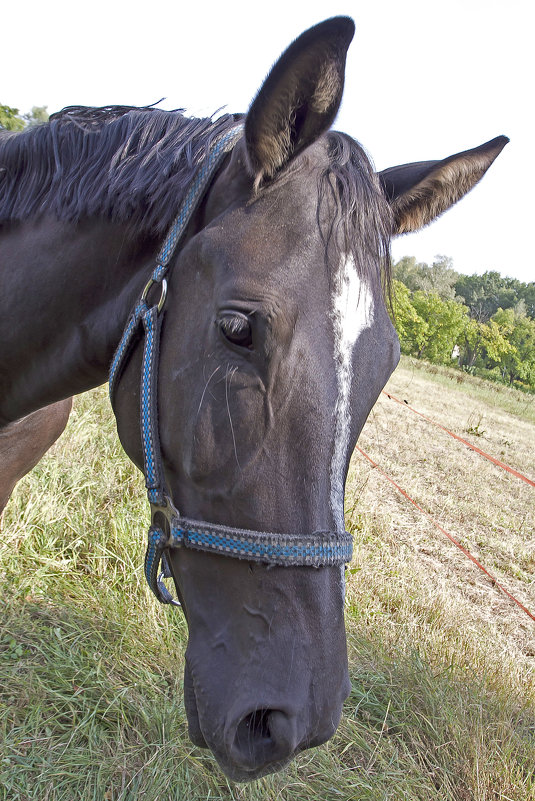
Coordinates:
(23, 443)
(245, 353)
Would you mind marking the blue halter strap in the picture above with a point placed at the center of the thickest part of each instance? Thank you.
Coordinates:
(168, 529)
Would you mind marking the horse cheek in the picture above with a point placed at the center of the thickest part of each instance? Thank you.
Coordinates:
(227, 434)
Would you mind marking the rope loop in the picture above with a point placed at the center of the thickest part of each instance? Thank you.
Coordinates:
(154, 555)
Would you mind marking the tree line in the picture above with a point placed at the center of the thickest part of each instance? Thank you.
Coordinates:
(484, 324)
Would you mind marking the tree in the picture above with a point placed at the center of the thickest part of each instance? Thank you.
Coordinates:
(410, 328)
(10, 120)
(409, 272)
(485, 294)
(518, 365)
(37, 115)
(446, 321)
(527, 294)
(495, 330)
(439, 278)
(427, 326)
(484, 342)
(472, 343)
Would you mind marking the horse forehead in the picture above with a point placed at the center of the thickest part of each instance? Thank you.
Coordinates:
(291, 196)
(275, 237)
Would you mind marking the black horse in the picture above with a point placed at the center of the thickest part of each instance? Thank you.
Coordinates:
(275, 343)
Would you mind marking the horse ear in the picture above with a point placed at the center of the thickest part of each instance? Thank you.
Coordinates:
(300, 97)
(419, 193)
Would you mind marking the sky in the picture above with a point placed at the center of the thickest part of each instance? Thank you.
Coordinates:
(425, 79)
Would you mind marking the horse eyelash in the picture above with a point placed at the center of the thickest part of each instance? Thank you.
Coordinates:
(234, 324)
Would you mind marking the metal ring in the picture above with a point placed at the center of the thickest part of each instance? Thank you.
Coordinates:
(163, 293)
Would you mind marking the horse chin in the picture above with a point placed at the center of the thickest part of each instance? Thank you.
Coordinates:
(240, 775)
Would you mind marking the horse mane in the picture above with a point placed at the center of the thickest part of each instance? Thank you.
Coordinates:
(133, 165)
(122, 163)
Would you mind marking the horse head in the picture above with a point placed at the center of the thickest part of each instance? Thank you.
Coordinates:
(275, 343)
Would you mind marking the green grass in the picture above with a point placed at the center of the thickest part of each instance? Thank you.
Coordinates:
(442, 665)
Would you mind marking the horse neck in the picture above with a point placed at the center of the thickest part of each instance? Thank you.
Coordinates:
(65, 293)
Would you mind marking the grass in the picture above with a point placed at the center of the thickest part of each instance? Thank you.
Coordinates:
(442, 664)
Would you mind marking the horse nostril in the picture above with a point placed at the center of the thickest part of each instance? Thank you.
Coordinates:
(262, 737)
(253, 727)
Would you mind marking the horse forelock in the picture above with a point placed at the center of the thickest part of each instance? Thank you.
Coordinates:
(358, 226)
(126, 164)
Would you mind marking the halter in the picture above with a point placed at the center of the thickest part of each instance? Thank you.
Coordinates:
(168, 528)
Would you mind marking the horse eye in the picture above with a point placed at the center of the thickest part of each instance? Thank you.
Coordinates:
(236, 329)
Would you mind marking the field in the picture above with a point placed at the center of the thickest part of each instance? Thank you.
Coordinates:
(441, 662)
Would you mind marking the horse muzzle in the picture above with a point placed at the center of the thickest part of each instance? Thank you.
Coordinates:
(266, 664)
(255, 741)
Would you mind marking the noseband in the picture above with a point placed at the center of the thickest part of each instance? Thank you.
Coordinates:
(168, 528)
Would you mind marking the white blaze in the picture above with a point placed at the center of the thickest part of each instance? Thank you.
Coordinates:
(352, 314)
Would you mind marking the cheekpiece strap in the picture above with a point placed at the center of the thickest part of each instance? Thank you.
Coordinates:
(144, 320)
(150, 430)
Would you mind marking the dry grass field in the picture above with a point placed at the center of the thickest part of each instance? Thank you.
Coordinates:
(441, 662)
(491, 512)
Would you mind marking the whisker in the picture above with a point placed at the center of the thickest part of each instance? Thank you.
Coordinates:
(206, 387)
(227, 383)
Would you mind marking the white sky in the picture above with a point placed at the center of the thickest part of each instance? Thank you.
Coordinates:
(424, 79)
